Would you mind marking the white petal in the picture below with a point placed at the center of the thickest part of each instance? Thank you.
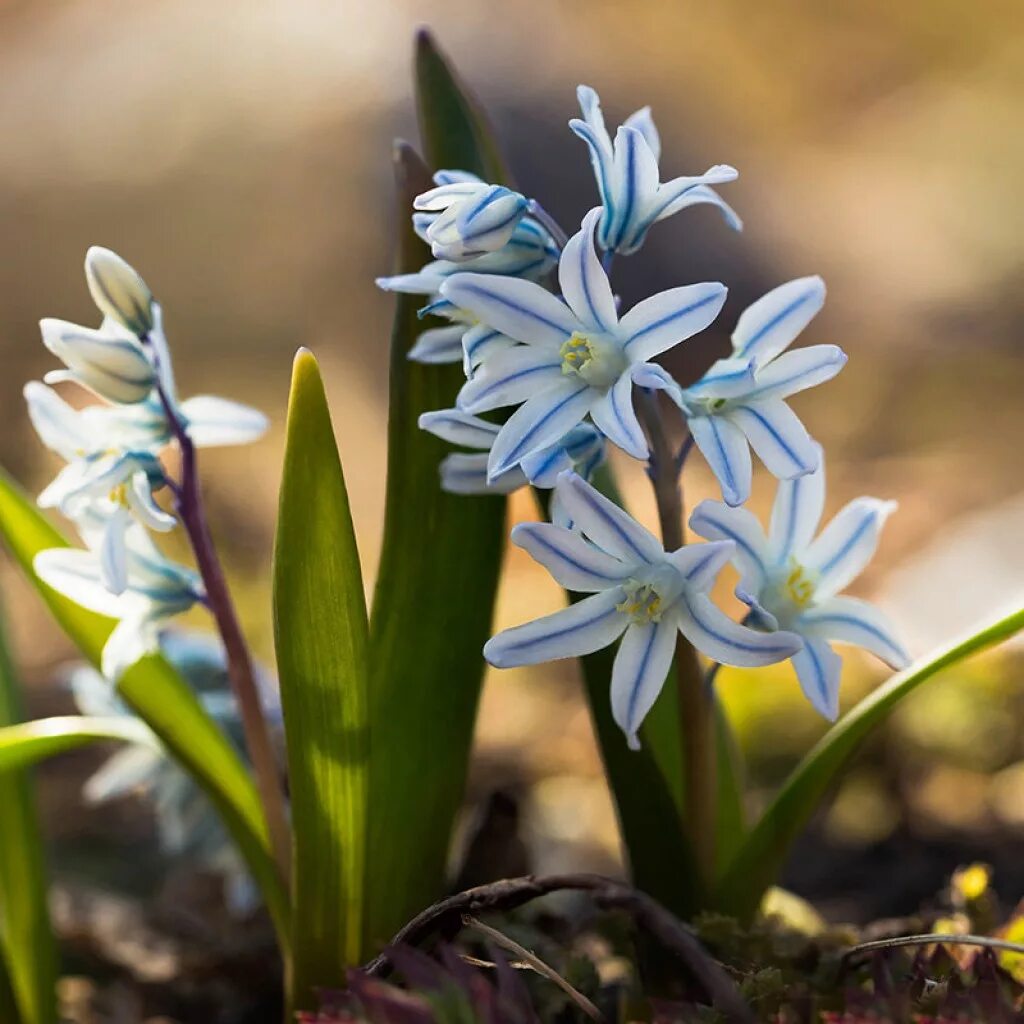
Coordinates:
(424, 282)
(511, 377)
(634, 185)
(607, 525)
(771, 324)
(539, 422)
(144, 506)
(615, 417)
(796, 513)
(715, 520)
(726, 378)
(583, 281)
(118, 290)
(727, 453)
(580, 629)
(818, 668)
(132, 639)
(113, 554)
(438, 345)
(467, 474)
(479, 343)
(573, 562)
(847, 544)
(798, 370)
(594, 133)
(441, 197)
(700, 564)
(58, 425)
(214, 422)
(656, 378)
(461, 428)
(521, 309)
(642, 121)
(713, 633)
(76, 575)
(852, 621)
(779, 438)
(662, 321)
(638, 674)
(698, 195)
(543, 467)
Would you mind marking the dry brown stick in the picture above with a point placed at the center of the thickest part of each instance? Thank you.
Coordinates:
(535, 963)
(445, 918)
(985, 941)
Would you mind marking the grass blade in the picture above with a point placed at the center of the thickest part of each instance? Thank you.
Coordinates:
(320, 633)
(439, 567)
(763, 854)
(162, 699)
(26, 935)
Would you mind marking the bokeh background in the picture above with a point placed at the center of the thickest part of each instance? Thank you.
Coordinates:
(237, 152)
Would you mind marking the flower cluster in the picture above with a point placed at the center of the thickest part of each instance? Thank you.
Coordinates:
(532, 316)
(113, 477)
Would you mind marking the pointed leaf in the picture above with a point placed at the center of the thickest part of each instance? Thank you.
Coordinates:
(320, 633)
(163, 700)
(439, 566)
(763, 854)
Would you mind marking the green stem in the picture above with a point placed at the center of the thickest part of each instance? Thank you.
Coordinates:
(696, 701)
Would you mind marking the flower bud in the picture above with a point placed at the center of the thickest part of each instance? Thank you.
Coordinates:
(119, 291)
(464, 220)
(115, 367)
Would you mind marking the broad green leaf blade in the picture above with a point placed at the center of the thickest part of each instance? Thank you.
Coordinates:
(439, 567)
(162, 699)
(26, 935)
(24, 745)
(320, 634)
(763, 854)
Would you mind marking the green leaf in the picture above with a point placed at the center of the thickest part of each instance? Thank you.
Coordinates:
(26, 935)
(26, 744)
(763, 854)
(163, 700)
(439, 567)
(320, 633)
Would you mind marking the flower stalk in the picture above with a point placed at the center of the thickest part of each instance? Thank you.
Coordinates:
(696, 699)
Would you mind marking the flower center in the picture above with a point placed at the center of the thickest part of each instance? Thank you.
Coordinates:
(119, 495)
(799, 585)
(598, 360)
(643, 603)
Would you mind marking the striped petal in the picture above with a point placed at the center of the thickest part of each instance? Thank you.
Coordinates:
(607, 525)
(480, 343)
(778, 437)
(819, 668)
(511, 377)
(615, 417)
(593, 132)
(59, 426)
(727, 453)
(113, 555)
(796, 513)
(76, 574)
(638, 674)
(714, 634)
(542, 468)
(771, 324)
(849, 620)
(664, 320)
(464, 473)
(634, 183)
(727, 378)
(798, 370)
(539, 422)
(715, 520)
(573, 562)
(461, 428)
(847, 544)
(642, 121)
(700, 564)
(583, 281)
(438, 345)
(580, 629)
(521, 309)
(698, 195)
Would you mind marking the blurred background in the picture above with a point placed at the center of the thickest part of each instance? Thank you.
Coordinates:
(237, 153)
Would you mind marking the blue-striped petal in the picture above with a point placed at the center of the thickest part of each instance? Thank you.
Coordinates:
(539, 422)
(584, 283)
(778, 437)
(656, 378)
(664, 320)
(847, 544)
(542, 468)
(607, 525)
(479, 343)
(695, 195)
(771, 324)
(715, 520)
(727, 453)
(461, 428)
(714, 634)
(521, 309)
(573, 562)
(642, 121)
(819, 668)
(464, 473)
(438, 345)
(726, 378)
(700, 564)
(634, 183)
(511, 377)
(580, 629)
(615, 417)
(638, 674)
(850, 620)
(796, 514)
(798, 370)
